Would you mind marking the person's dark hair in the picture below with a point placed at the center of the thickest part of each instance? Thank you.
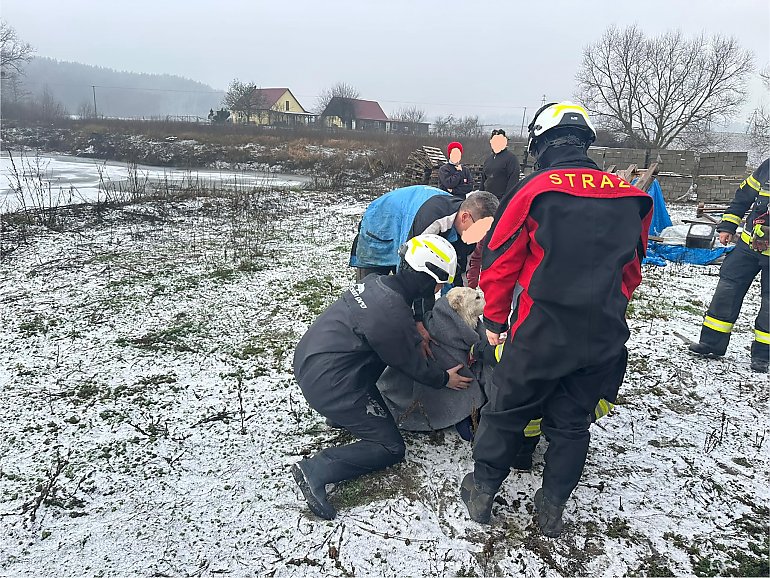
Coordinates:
(497, 131)
(481, 204)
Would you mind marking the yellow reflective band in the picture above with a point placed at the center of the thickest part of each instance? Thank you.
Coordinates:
(533, 428)
(730, 218)
(764, 193)
(560, 108)
(603, 408)
(717, 325)
(746, 238)
(437, 251)
(499, 352)
(761, 336)
(753, 183)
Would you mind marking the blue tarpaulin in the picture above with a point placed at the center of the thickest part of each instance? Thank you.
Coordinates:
(660, 216)
(658, 253)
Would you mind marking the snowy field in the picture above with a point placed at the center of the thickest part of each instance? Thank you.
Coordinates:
(152, 418)
(48, 180)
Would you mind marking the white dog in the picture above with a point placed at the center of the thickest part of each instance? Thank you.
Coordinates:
(468, 303)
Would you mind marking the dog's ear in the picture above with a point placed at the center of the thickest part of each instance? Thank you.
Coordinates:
(454, 298)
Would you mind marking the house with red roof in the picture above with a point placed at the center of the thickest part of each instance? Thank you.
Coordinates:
(276, 107)
(355, 114)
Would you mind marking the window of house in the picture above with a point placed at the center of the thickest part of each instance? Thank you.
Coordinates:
(287, 105)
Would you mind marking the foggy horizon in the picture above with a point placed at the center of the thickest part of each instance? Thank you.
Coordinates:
(443, 57)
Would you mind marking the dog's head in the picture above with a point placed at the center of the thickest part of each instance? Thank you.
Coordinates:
(468, 303)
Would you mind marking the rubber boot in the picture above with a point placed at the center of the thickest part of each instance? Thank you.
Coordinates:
(333, 424)
(548, 515)
(313, 489)
(704, 350)
(477, 500)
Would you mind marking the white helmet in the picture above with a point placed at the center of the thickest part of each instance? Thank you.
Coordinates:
(430, 254)
(567, 115)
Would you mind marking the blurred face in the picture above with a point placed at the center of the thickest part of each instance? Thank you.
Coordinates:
(455, 156)
(498, 143)
(472, 230)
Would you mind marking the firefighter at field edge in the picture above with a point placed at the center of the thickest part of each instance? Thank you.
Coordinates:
(750, 256)
(567, 332)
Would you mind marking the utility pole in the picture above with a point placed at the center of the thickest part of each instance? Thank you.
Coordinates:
(543, 102)
(523, 120)
(93, 87)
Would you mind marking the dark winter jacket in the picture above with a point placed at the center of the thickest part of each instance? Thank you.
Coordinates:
(458, 183)
(350, 344)
(399, 215)
(419, 408)
(754, 194)
(500, 173)
(567, 244)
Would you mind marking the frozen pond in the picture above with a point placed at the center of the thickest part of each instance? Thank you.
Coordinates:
(53, 180)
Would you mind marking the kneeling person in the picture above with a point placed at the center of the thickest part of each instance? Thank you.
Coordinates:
(339, 359)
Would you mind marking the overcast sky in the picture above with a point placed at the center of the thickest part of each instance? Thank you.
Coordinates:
(483, 57)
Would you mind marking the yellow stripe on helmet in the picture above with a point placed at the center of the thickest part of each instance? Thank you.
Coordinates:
(432, 246)
(560, 108)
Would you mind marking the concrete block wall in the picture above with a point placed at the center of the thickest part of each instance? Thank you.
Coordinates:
(727, 163)
(717, 189)
(674, 186)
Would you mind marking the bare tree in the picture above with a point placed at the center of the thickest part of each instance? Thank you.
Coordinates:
(462, 127)
(86, 110)
(13, 52)
(341, 90)
(659, 90)
(47, 108)
(244, 98)
(409, 114)
(759, 122)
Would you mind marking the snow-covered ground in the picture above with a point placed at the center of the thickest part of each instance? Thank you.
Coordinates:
(151, 419)
(48, 180)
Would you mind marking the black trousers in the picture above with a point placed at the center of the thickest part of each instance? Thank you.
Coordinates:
(738, 271)
(362, 412)
(566, 405)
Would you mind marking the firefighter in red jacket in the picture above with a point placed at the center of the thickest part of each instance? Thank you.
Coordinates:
(738, 271)
(566, 247)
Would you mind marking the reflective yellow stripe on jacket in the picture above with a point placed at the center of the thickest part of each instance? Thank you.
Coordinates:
(759, 337)
(602, 408)
(717, 325)
(746, 238)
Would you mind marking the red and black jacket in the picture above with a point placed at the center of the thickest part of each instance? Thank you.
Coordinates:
(565, 252)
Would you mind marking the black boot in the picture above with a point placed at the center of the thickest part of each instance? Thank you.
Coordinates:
(704, 350)
(548, 515)
(477, 500)
(313, 489)
(333, 424)
(759, 365)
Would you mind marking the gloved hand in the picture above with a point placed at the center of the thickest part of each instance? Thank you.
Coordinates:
(760, 238)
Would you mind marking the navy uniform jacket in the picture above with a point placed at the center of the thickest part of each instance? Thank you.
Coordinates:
(349, 345)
